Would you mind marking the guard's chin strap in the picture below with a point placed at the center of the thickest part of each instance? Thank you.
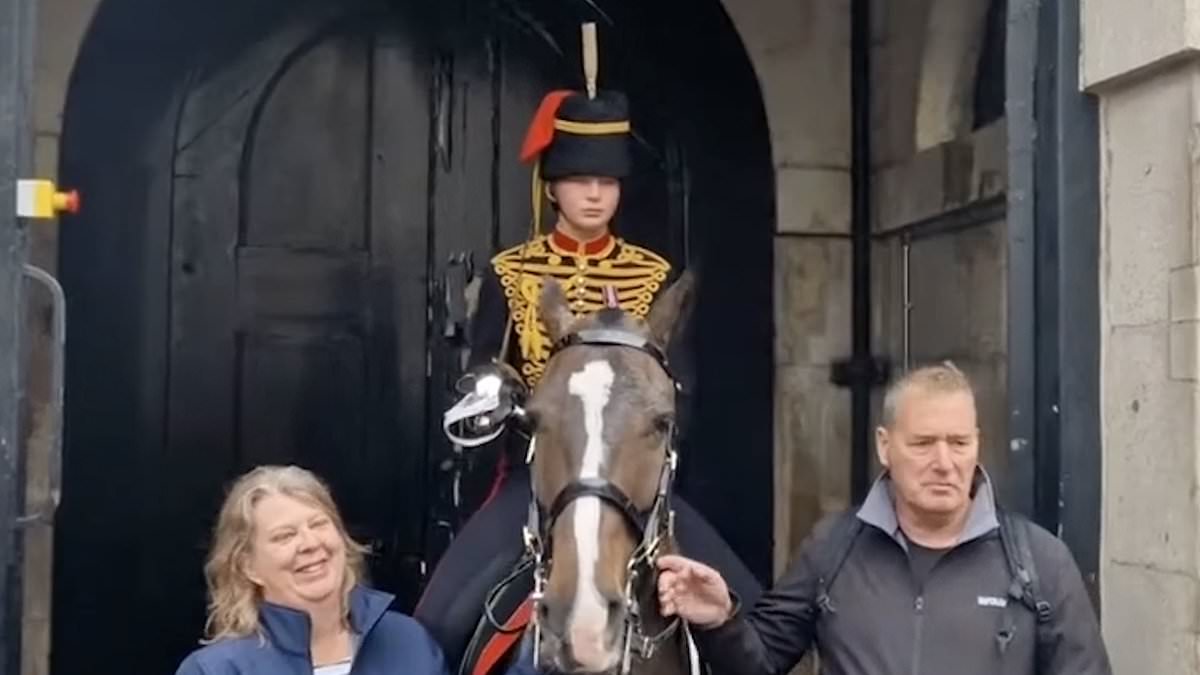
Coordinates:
(538, 185)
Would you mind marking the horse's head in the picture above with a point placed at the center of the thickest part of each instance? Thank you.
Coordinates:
(603, 418)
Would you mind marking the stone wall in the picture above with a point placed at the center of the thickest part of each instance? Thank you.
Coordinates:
(61, 26)
(801, 52)
(1140, 61)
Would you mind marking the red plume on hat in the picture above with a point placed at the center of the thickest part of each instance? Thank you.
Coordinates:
(541, 129)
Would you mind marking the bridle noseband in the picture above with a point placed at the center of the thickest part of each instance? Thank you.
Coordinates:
(652, 527)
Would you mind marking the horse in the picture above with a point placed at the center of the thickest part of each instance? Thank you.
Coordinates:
(602, 420)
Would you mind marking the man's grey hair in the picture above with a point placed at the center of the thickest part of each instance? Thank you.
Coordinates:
(943, 378)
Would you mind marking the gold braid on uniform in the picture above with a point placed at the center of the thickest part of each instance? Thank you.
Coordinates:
(636, 273)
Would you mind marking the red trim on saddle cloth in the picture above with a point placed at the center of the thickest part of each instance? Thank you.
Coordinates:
(503, 642)
(498, 481)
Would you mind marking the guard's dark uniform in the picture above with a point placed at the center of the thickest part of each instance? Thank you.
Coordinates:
(490, 543)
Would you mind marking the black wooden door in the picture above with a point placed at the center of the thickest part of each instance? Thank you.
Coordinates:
(298, 284)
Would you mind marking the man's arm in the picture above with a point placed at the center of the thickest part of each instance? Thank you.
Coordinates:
(1074, 645)
(771, 638)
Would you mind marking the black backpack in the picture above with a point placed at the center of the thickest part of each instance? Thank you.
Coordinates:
(1014, 538)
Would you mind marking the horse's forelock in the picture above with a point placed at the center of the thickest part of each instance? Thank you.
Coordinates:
(613, 319)
(610, 318)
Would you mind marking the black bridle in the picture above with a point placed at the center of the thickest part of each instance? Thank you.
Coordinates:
(651, 527)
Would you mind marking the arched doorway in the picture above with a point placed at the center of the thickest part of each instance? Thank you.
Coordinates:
(275, 191)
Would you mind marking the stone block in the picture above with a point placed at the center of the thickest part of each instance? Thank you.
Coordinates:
(45, 153)
(1150, 460)
(1121, 37)
(949, 61)
(804, 134)
(1184, 298)
(910, 190)
(896, 75)
(948, 176)
(959, 292)
(767, 27)
(812, 451)
(43, 239)
(1146, 198)
(800, 51)
(36, 604)
(1185, 351)
(1185, 314)
(813, 200)
(812, 300)
(1149, 619)
(989, 168)
(61, 27)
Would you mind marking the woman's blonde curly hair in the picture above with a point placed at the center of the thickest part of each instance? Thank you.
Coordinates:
(233, 599)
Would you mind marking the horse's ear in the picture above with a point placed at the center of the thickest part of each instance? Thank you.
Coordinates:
(554, 309)
(671, 308)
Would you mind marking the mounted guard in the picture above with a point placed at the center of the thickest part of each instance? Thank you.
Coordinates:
(476, 603)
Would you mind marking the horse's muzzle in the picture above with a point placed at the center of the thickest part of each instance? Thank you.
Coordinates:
(583, 644)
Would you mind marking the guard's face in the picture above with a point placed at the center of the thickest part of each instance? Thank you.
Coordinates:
(931, 451)
(588, 202)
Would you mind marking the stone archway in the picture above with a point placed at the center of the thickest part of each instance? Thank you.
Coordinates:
(142, 133)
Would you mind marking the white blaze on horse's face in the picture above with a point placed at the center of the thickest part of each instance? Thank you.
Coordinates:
(588, 619)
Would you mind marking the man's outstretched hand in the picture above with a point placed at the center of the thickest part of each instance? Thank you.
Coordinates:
(693, 591)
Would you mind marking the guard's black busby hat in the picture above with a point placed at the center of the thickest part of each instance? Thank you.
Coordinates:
(578, 134)
(573, 134)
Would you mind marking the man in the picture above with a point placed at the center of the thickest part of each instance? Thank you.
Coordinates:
(580, 144)
(918, 580)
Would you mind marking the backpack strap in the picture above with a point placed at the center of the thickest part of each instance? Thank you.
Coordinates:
(1026, 586)
(833, 556)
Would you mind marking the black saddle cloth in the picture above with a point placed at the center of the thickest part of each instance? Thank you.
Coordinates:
(489, 548)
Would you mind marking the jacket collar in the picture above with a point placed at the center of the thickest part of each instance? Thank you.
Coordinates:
(879, 510)
(289, 629)
(565, 244)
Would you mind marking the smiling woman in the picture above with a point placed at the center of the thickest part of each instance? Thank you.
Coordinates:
(286, 594)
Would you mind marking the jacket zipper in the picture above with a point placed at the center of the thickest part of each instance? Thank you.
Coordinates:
(919, 611)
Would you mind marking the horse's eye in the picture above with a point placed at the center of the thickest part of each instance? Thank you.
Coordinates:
(664, 423)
